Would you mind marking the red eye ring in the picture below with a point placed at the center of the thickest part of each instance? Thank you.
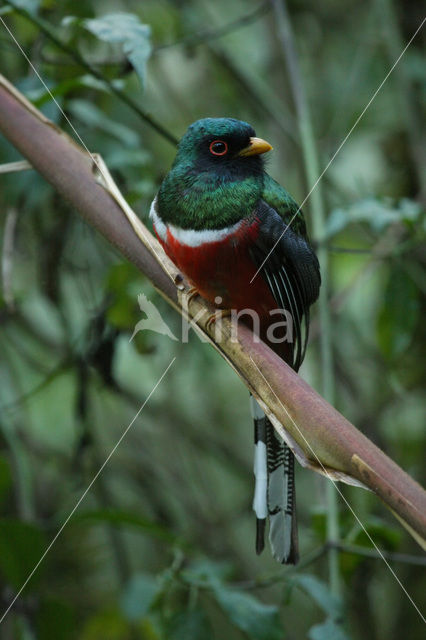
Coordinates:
(223, 147)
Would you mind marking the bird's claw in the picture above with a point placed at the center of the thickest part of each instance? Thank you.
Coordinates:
(192, 293)
(218, 315)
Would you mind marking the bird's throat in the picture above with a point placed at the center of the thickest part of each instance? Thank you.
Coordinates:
(207, 201)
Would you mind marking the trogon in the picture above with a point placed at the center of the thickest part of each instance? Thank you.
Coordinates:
(241, 240)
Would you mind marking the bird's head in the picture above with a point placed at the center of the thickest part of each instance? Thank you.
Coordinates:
(217, 176)
(222, 145)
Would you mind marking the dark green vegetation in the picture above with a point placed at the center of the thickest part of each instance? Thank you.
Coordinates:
(162, 545)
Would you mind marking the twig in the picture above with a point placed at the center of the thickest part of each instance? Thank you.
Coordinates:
(24, 397)
(12, 167)
(318, 553)
(382, 250)
(285, 574)
(65, 62)
(190, 40)
(334, 249)
(78, 58)
(213, 34)
(356, 549)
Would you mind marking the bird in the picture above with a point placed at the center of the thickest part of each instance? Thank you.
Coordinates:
(241, 241)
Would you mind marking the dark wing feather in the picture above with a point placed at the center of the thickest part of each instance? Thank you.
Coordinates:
(291, 271)
(289, 266)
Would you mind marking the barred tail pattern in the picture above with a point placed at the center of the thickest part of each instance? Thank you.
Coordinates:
(274, 496)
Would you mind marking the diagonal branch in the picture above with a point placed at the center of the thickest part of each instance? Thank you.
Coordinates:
(298, 413)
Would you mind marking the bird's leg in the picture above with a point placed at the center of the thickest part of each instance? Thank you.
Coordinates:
(216, 316)
(192, 293)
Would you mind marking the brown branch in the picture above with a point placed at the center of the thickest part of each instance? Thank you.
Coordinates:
(321, 438)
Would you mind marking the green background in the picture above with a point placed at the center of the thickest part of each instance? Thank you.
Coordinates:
(162, 546)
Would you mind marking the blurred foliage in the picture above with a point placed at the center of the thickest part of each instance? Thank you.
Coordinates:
(162, 545)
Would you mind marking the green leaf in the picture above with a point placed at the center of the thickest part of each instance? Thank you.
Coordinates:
(21, 547)
(117, 27)
(399, 314)
(121, 275)
(320, 593)
(328, 630)
(259, 621)
(139, 596)
(378, 214)
(319, 521)
(383, 533)
(41, 96)
(70, 21)
(123, 313)
(118, 158)
(127, 30)
(189, 625)
(54, 620)
(32, 6)
(105, 624)
(207, 571)
(94, 117)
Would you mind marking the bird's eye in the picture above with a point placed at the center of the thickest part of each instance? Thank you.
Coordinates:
(218, 148)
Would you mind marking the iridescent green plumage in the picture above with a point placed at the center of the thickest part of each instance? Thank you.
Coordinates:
(279, 199)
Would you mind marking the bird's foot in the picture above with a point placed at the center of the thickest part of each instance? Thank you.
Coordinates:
(218, 315)
(192, 293)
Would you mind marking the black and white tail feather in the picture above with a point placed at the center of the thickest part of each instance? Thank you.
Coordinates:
(274, 496)
(290, 268)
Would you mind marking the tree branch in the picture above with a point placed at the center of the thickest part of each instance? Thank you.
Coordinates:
(321, 438)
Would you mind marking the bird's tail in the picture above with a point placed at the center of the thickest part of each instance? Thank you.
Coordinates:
(274, 496)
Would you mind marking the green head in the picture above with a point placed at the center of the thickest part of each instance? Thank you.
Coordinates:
(217, 176)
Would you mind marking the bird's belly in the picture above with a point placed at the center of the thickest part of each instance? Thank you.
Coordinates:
(222, 270)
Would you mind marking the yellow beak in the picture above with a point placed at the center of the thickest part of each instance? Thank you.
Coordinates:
(256, 147)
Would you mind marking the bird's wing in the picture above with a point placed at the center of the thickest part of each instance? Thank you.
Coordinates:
(289, 265)
(287, 262)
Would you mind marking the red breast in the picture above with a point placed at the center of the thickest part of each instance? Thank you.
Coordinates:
(223, 268)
